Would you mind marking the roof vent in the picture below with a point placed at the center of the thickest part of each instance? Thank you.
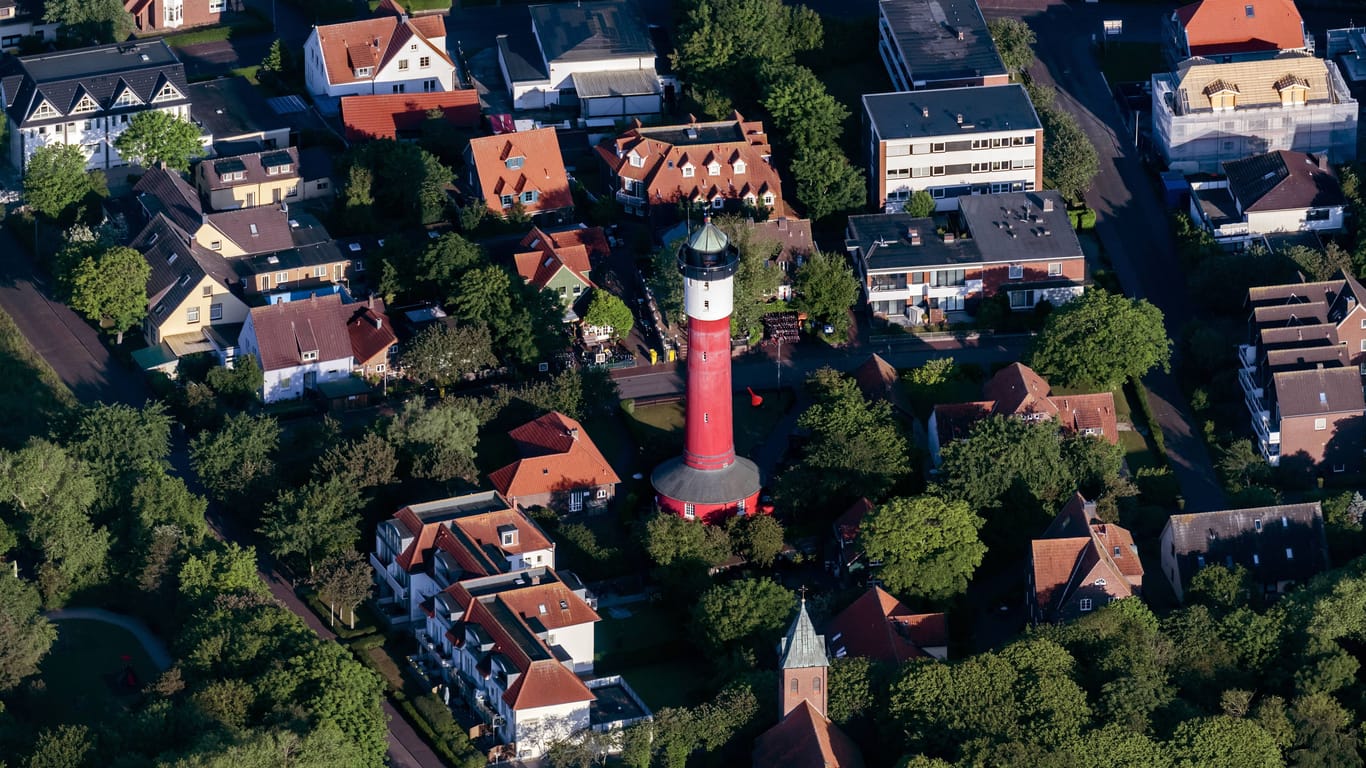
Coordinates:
(354, 247)
(1323, 396)
(1047, 205)
(949, 237)
(254, 233)
(914, 236)
(959, 118)
(924, 111)
(145, 57)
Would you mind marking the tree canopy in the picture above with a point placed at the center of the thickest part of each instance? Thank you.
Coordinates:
(1101, 340)
(750, 611)
(1069, 158)
(928, 545)
(827, 182)
(1014, 41)
(154, 136)
(444, 355)
(55, 179)
(825, 288)
(606, 310)
(111, 288)
(25, 634)
(89, 22)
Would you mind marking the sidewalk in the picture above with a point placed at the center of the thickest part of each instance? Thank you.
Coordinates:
(155, 648)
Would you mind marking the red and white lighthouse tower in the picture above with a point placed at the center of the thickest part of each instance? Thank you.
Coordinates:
(708, 482)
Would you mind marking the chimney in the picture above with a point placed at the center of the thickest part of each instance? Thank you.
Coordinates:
(959, 118)
(924, 111)
(573, 433)
(949, 237)
(1048, 205)
(378, 321)
(961, 36)
(914, 236)
(1351, 304)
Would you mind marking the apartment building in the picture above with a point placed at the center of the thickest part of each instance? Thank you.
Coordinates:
(937, 44)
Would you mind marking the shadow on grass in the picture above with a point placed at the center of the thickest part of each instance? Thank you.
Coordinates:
(32, 398)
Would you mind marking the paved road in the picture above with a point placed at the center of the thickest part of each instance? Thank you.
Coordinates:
(152, 644)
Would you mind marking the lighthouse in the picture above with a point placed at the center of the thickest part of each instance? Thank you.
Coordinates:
(708, 482)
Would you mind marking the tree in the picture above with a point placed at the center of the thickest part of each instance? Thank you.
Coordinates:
(1221, 589)
(802, 109)
(90, 22)
(827, 183)
(239, 385)
(1224, 742)
(444, 355)
(1318, 264)
(670, 539)
(921, 205)
(928, 545)
(756, 279)
(825, 288)
(483, 295)
(443, 261)
(605, 310)
(666, 284)
(1014, 41)
(121, 444)
(25, 634)
(314, 522)
(1092, 462)
(367, 462)
(55, 179)
(1069, 159)
(358, 200)
(236, 462)
(221, 569)
(758, 538)
(154, 136)
(747, 610)
(1101, 340)
(437, 443)
(162, 499)
(344, 581)
(112, 287)
(66, 746)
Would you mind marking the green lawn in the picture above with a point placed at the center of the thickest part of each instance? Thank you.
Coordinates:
(83, 675)
(635, 647)
(1130, 62)
(32, 398)
(660, 427)
(647, 627)
(1137, 452)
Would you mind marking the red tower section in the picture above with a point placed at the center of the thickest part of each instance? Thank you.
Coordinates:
(708, 482)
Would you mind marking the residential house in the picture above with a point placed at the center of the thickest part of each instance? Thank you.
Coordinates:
(300, 344)
(521, 169)
(1277, 192)
(190, 308)
(937, 44)
(151, 16)
(237, 116)
(880, 627)
(1079, 564)
(1280, 546)
(385, 54)
(717, 166)
(1018, 245)
(848, 551)
(1018, 391)
(560, 468)
(791, 243)
(1300, 372)
(1234, 30)
(304, 270)
(804, 737)
(24, 18)
(598, 56)
(372, 338)
(427, 547)
(231, 233)
(952, 143)
(401, 116)
(1206, 113)
(315, 164)
(246, 181)
(878, 381)
(87, 96)
(561, 262)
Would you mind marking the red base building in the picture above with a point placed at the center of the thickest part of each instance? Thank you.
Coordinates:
(708, 482)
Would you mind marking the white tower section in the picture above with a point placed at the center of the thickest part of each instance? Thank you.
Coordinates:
(708, 299)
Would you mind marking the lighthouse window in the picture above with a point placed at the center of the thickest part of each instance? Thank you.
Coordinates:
(706, 418)
(706, 305)
(704, 359)
(689, 512)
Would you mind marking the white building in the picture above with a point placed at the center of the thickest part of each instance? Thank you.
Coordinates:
(23, 18)
(1278, 192)
(598, 56)
(299, 345)
(87, 97)
(388, 54)
(951, 142)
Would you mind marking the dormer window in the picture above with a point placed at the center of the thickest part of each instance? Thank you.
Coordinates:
(86, 104)
(363, 71)
(768, 199)
(507, 535)
(636, 161)
(739, 167)
(168, 93)
(127, 99)
(309, 355)
(688, 170)
(45, 110)
(515, 163)
(1294, 90)
(714, 169)
(1222, 95)
(718, 202)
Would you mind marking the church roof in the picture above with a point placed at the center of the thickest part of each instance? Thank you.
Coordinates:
(802, 647)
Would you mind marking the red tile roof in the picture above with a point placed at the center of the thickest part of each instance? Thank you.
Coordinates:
(557, 454)
(847, 525)
(1078, 552)
(385, 116)
(805, 739)
(555, 252)
(591, 238)
(1215, 27)
(741, 154)
(1017, 390)
(541, 169)
(878, 626)
(374, 42)
(285, 331)
(371, 332)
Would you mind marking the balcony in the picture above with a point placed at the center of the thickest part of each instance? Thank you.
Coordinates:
(382, 570)
(629, 198)
(1247, 355)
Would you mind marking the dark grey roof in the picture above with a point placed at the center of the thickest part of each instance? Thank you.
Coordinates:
(594, 30)
(178, 264)
(677, 480)
(916, 114)
(884, 239)
(1235, 536)
(315, 163)
(312, 255)
(635, 82)
(1319, 391)
(521, 59)
(719, 132)
(230, 107)
(254, 165)
(1283, 180)
(104, 72)
(928, 33)
(802, 648)
(164, 191)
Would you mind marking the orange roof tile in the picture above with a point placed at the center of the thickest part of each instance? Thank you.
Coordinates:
(549, 605)
(541, 169)
(591, 238)
(373, 42)
(385, 116)
(551, 254)
(1017, 390)
(805, 739)
(556, 455)
(1054, 562)
(371, 332)
(1215, 27)
(878, 626)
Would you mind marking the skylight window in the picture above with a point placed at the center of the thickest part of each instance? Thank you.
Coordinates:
(1250, 11)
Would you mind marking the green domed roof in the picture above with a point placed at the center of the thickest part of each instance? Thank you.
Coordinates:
(708, 239)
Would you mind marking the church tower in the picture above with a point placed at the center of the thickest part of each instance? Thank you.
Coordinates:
(804, 665)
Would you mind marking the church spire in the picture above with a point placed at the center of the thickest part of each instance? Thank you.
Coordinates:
(803, 665)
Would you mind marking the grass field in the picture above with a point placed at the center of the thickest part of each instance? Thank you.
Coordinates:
(635, 647)
(83, 675)
(660, 427)
(31, 395)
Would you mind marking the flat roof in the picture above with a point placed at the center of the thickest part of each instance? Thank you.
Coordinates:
(1020, 226)
(523, 62)
(698, 133)
(230, 106)
(98, 60)
(594, 30)
(883, 239)
(1217, 204)
(636, 82)
(915, 114)
(942, 39)
(459, 506)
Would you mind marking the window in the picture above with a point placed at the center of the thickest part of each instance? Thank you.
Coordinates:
(192, 315)
(1016, 271)
(514, 163)
(937, 146)
(689, 511)
(1021, 299)
(1339, 467)
(1256, 559)
(429, 86)
(281, 278)
(217, 6)
(506, 200)
(45, 110)
(215, 312)
(1317, 214)
(362, 71)
(688, 171)
(530, 196)
(1363, 345)
(1100, 582)
(1320, 425)
(936, 170)
(601, 493)
(87, 104)
(795, 685)
(424, 62)
(402, 65)
(739, 167)
(718, 202)
(768, 199)
(379, 368)
(265, 282)
(310, 355)
(714, 169)
(400, 88)
(1054, 268)
(1085, 604)
(320, 272)
(216, 245)
(816, 684)
(208, 291)
(1257, 525)
(1289, 553)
